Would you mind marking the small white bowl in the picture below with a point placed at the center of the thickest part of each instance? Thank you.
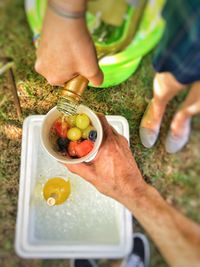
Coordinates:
(47, 123)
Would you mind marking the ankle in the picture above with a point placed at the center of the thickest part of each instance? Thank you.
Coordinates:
(180, 123)
(159, 103)
(165, 87)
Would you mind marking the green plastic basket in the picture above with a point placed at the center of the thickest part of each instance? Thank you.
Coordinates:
(120, 66)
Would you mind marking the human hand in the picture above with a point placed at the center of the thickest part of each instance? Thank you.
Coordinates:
(66, 50)
(114, 171)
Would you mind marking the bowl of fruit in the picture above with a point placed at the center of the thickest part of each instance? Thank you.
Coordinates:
(72, 139)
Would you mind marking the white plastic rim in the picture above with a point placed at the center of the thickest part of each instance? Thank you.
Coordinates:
(48, 121)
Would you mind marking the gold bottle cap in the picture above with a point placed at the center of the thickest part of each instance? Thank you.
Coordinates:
(71, 95)
(75, 86)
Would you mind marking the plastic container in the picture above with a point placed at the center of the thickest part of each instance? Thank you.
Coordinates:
(48, 121)
(87, 225)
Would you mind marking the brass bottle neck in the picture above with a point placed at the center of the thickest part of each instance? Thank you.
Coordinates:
(70, 96)
(75, 87)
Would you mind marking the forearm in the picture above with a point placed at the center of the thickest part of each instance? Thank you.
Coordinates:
(177, 237)
(115, 173)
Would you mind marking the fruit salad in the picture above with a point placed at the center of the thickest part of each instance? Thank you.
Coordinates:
(73, 136)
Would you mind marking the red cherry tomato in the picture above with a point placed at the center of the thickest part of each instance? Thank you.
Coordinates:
(61, 128)
(72, 148)
(84, 148)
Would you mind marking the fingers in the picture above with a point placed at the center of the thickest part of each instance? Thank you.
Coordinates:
(88, 65)
(107, 129)
(54, 77)
(115, 132)
(59, 78)
(96, 79)
(82, 169)
(105, 125)
(58, 70)
(75, 168)
(90, 69)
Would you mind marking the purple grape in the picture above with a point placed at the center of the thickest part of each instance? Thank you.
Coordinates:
(93, 135)
(62, 144)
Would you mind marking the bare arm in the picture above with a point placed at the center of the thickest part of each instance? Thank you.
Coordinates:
(177, 237)
(65, 47)
(114, 172)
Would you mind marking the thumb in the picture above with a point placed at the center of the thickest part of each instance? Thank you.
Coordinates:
(81, 169)
(95, 79)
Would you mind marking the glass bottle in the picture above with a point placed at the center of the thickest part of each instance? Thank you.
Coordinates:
(56, 191)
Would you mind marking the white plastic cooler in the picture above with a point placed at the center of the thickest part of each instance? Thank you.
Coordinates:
(87, 225)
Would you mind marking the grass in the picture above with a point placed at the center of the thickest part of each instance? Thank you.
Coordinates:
(176, 177)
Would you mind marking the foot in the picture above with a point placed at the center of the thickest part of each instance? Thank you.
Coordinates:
(150, 124)
(140, 254)
(165, 87)
(179, 133)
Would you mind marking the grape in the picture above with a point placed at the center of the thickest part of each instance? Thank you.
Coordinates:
(74, 134)
(72, 120)
(92, 135)
(62, 144)
(85, 133)
(82, 121)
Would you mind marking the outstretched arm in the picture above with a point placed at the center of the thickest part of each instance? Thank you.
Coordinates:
(177, 237)
(65, 47)
(114, 172)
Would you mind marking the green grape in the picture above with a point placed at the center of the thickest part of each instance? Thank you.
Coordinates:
(72, 120)
(74, 134)
(82, 121)
(85, 133)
